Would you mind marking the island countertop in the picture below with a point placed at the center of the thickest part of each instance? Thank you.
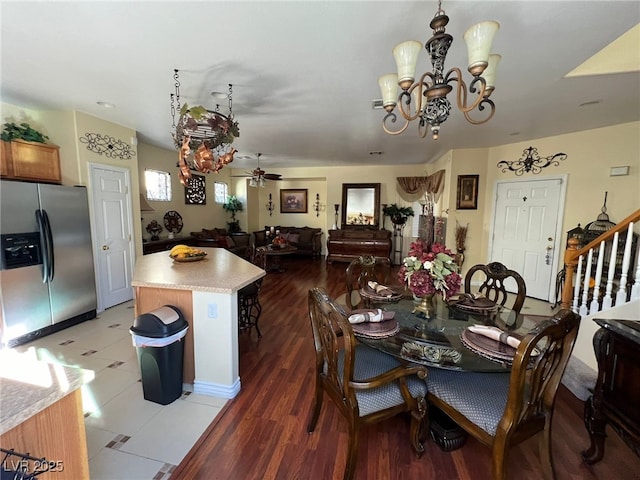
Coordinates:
(28, 386)
(220, 271)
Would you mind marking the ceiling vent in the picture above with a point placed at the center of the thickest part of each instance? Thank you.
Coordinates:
(376, 104)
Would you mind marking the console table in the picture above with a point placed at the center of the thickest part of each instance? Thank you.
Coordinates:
(346, 245)
(616, 395)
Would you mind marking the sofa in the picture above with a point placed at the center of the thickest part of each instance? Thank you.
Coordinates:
(307, 240)
(237, 243)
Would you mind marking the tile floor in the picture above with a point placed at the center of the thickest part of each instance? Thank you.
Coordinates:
(127, 437)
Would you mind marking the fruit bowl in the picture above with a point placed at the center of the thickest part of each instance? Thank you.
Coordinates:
(194, 258)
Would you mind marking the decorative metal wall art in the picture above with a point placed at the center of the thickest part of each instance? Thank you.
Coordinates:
(195, 192)
(531, 162)
(109, 146)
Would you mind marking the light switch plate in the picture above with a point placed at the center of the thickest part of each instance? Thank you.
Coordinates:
(619, 171)
(212, 310)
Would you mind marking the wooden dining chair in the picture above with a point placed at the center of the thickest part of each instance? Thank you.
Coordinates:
(493, 285)
(359, 272)
(366, 385)
(503, 409)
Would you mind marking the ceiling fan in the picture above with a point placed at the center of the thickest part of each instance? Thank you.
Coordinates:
(258, 176)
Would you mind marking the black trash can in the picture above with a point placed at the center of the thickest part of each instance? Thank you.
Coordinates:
(158, 338)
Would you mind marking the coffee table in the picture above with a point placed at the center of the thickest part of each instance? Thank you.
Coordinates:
(263, 254)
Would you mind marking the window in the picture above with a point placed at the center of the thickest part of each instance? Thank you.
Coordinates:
(220, 190)
(158, 185)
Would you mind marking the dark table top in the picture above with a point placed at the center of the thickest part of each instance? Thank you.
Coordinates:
(437, 342)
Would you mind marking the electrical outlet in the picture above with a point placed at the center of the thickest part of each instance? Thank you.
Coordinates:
(212, 310)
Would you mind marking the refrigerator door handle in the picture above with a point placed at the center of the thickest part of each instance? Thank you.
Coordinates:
(44, 245)
(49, 236)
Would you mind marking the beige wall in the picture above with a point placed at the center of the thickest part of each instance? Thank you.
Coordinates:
(194, 217)
(65, 128)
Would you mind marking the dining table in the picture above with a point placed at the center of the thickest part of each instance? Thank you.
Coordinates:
(442, 337)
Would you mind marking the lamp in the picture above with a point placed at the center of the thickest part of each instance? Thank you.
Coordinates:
(206, 133)
(426, 100)
(316, 206)
(335, 222)
(270, 206)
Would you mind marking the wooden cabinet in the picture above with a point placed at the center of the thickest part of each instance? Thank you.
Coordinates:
(166, 244)
(39, 162)
(346, 245)
(616, 395)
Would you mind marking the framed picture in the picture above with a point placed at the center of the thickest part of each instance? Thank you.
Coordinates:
(293, 200)
(195, 192)
(467, 197)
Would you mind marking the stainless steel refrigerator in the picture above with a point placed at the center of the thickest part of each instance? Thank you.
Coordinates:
(47, 279)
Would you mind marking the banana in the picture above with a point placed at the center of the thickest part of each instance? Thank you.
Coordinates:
(182, 251)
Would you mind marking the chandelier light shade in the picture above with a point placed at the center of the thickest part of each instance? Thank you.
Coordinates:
(257, 175)
(203, 137)
(426, 99)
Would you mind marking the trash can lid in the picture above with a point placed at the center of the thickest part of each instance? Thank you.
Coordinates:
(161, 322)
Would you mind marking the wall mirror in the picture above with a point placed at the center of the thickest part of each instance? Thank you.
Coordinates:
(361, 205)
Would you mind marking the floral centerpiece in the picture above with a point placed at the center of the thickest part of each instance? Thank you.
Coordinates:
(429, 270)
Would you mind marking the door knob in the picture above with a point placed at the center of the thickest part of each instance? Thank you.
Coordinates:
(105, 247)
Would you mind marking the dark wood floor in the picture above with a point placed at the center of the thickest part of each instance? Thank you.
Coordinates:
(261, 434)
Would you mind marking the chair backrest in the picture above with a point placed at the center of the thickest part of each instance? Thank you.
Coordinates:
(360, 271)
(493, 285)
(332, 334)
(537, 369)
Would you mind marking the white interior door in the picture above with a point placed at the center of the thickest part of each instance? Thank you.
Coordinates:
(526, 232)
(113, 238)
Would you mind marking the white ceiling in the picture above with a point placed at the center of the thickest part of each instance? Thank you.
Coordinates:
(305, 72)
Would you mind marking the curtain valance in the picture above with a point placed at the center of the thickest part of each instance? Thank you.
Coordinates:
(422, 185)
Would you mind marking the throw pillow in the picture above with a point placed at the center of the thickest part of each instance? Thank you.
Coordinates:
(230, 242)
(293, 238)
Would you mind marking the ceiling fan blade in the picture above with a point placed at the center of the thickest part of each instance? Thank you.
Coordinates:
(273, 176)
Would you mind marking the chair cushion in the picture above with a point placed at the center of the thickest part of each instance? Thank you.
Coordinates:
(481, 397)
(370, 363)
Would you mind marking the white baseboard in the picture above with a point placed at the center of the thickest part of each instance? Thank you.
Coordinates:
(216, 389)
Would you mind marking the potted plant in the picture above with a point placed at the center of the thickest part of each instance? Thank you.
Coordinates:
(233, 205)
(11, 131)
(399, 215)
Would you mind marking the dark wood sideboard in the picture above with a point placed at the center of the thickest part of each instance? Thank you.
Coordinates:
(346, 245)
(166, 244)
(616, 395)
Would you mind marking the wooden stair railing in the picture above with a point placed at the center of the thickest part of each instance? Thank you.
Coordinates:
(576, 283)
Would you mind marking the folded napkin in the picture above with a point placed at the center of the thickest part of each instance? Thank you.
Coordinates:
(472, 300)
(381, 290)
(370, 316)
(495, 334)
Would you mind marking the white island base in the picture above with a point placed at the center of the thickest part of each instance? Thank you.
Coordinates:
(207, 294)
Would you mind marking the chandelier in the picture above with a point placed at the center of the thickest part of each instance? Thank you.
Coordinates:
(203, 137)
(426, 100)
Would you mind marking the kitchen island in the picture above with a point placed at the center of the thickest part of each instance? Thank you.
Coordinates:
(206, 292)
(41, 415)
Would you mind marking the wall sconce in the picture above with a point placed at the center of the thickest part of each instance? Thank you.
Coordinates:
(335, 222)
(270, 205)
(316, 206)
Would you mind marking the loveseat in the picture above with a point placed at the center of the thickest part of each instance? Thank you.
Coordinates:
(307, 240)
(237, 243)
